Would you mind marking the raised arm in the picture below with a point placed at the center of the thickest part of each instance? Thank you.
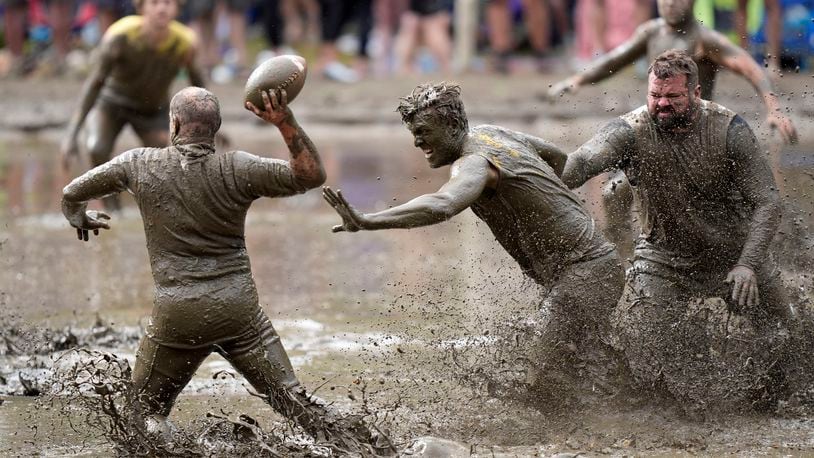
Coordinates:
(102, 67)
(468, 179)
(549, 153)
(724, 53)
(305, 163)
(104, 180)
(607, 150)
(609, 63)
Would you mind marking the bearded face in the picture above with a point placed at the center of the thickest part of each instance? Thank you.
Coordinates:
(670, 102)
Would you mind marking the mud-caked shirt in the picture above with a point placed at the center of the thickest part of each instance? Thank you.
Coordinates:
(532, 214)
(707, 195)
(194, 202)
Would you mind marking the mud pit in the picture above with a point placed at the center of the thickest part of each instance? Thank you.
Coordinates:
(409, 315)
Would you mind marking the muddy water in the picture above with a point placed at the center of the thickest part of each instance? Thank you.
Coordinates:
(376, 306)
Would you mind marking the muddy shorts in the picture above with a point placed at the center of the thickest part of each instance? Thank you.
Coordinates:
(430, 7)
(106, 121)
(680, 338)
(574, 342)
(163, 369)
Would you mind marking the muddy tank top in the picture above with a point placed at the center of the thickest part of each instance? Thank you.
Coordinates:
(531, 213)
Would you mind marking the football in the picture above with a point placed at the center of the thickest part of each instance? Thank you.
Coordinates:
(281, 72)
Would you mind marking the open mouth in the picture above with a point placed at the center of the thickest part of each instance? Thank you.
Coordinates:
(427, 153)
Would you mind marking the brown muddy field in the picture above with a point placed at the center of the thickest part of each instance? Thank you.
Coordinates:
(398, 321)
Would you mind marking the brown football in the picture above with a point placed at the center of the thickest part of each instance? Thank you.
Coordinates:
(281, 72)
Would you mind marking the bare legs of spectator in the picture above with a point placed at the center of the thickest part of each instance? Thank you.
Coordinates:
(14, 25)
(204, 27)
(60, 14)
(774, 29)
(538, 25)
(237, 36)
(432, 31)
(499, 23)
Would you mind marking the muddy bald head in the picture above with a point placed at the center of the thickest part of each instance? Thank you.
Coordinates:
(194, 116)
(435, 115)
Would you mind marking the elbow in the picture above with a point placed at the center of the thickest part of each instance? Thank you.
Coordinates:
(312, 180)
(442, 206)
(69, 193)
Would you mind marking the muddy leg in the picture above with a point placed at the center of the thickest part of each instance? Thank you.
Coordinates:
(575, 343)
(159, 376)
(102, 128)
(618, 199)
(267, 368)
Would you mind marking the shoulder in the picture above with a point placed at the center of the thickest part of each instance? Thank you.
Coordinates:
(650, 27)
(185, 35)
(127, 27)
(716, 110)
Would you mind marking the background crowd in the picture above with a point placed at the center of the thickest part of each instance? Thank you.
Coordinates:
(349, 40)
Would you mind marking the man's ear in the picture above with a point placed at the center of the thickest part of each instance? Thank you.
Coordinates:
(697, 91)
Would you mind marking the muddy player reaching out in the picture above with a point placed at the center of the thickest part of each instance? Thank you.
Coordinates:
(194, 202)
(137, 61)
(710, 207)
(677, 28)
(510, 181)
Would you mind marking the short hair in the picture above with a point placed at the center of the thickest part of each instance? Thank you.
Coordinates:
(197, 111)
(674, 62)
(444, 98)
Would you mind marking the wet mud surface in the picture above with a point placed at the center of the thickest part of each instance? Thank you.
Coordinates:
(413, 325)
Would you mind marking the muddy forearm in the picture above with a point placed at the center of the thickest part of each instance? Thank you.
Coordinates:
(106, 179)
(607, 150)
(90, 92)
(757, 185)
(422, 211)
(615, 60)
(196, 76)
(305, 162)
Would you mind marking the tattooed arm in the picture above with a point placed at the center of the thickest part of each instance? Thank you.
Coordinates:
(306, 166)
(724, 53)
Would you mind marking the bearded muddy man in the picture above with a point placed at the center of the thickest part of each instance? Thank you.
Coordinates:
(710, 209)
(675, 29)
(194, 203)
(135, 65)
(510, 181)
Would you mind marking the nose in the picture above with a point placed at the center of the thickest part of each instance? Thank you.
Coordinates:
(663, 102)
(418, 142)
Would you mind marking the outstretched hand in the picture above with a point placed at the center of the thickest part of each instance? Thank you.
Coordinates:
(275, 104)
(784, 126)
(90, 220)
(744, 287)
(562, 87)
(352, 219)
